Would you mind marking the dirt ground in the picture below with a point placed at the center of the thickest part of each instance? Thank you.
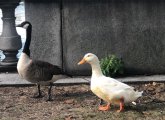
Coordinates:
(77, 102)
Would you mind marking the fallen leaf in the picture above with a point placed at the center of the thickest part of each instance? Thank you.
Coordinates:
(70, 101)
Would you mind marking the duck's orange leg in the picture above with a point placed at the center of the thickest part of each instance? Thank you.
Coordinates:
(104, 108)
(121, 105)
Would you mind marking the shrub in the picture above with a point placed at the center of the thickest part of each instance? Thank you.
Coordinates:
(112, 66)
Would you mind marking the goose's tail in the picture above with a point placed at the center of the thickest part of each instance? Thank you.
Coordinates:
(57, 71)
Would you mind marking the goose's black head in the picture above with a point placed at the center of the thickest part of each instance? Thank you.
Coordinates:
(26, 25)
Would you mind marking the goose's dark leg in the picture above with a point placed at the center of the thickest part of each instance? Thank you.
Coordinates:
(39, 92)
(49, 92)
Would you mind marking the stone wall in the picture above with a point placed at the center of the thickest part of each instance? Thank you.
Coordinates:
(131, 29)
(46, 35)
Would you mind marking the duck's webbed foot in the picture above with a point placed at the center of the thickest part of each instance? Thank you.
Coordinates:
(121, 105)
(105, 108)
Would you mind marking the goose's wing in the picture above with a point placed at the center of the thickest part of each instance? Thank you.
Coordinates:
(42, 70)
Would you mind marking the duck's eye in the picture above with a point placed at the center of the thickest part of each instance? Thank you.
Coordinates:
(88, 55)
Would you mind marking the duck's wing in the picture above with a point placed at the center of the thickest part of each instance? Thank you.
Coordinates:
(111, 82)
(114, 88)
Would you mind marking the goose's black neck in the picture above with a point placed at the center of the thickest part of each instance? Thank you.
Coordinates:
(26, 49)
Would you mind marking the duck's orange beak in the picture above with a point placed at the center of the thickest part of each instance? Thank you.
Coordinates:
(82, 61)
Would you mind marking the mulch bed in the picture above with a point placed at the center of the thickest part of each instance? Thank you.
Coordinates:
(77, 102)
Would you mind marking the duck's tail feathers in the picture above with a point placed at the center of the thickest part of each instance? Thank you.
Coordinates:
(134, 103)
(139, 94)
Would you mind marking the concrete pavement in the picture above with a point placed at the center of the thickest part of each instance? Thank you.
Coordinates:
(13, 79)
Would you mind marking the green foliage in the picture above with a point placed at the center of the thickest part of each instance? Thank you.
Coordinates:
(112, 66)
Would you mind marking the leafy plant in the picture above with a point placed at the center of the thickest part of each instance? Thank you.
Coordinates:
(111, 66)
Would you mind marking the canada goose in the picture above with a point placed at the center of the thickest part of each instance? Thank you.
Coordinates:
(36, 71)
(107, 88)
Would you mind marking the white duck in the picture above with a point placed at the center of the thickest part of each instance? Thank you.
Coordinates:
(109, 89)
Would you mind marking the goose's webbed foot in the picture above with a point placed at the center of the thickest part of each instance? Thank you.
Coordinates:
(39, 94)
(49, 92)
